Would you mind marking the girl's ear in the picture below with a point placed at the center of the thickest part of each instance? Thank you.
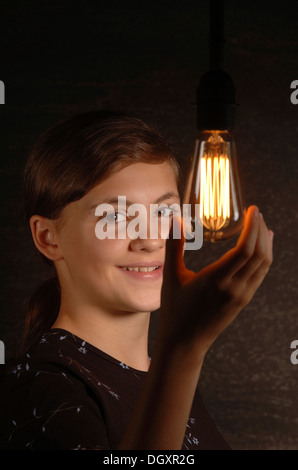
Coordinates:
(44, 236)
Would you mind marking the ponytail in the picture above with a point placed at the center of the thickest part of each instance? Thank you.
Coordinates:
(42, 311)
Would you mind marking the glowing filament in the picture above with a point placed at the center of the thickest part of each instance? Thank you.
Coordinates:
(214, 192)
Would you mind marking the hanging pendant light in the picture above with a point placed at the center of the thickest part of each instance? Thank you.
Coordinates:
(213, 180)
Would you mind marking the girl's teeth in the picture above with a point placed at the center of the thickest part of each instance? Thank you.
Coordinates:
(142, 269)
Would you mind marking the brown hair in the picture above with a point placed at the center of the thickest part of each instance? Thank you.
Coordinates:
(66, 162)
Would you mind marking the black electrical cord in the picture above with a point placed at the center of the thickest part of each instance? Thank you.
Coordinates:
(216, 93)
(216, 34)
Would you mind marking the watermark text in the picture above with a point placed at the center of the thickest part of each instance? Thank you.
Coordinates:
(131, 222)
(2, 353)
(294, 94)
(2, 92)
(294, 355)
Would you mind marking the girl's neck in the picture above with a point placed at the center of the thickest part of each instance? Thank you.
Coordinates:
(123, 336)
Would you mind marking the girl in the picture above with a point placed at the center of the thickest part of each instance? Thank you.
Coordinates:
(85, 380)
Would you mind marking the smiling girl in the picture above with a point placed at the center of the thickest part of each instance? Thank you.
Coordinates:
(85, 380)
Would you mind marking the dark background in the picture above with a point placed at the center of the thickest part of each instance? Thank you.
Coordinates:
(60, 57)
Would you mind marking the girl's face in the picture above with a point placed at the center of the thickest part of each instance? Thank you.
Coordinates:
(110, 273)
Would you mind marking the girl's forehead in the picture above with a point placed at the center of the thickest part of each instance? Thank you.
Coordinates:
(140, 182)
(144, 170)
(141, 175)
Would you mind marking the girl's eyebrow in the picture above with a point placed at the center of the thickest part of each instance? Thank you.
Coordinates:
(169, 195)
(113, 200)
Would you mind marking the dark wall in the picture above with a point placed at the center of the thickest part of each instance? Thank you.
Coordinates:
(60, 57)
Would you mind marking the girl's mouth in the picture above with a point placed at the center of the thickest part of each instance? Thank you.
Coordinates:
(142, 269)
(144, 272)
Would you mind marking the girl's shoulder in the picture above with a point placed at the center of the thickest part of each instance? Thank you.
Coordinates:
(45, 402)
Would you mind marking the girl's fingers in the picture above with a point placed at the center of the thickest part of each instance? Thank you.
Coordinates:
(262, 254)
(236, 258)
(257, 278)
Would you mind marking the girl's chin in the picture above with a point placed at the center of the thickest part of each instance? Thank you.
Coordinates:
(141, 300)
(144, 307)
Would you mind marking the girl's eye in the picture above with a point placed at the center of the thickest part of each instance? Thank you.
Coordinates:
(115, 217)
(164, 212)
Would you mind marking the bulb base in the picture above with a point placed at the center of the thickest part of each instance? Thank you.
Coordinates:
(216, 103)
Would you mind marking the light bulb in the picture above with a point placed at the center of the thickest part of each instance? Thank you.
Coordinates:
(214, 183)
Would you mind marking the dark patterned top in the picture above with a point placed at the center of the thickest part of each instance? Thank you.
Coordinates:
(67, 394)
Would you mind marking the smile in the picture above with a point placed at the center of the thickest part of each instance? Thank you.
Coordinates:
(141, 269)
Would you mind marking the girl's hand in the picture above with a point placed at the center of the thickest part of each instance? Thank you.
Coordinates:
(197, 307)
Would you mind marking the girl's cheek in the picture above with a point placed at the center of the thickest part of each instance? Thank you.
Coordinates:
(110, 250)
(110, 231)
